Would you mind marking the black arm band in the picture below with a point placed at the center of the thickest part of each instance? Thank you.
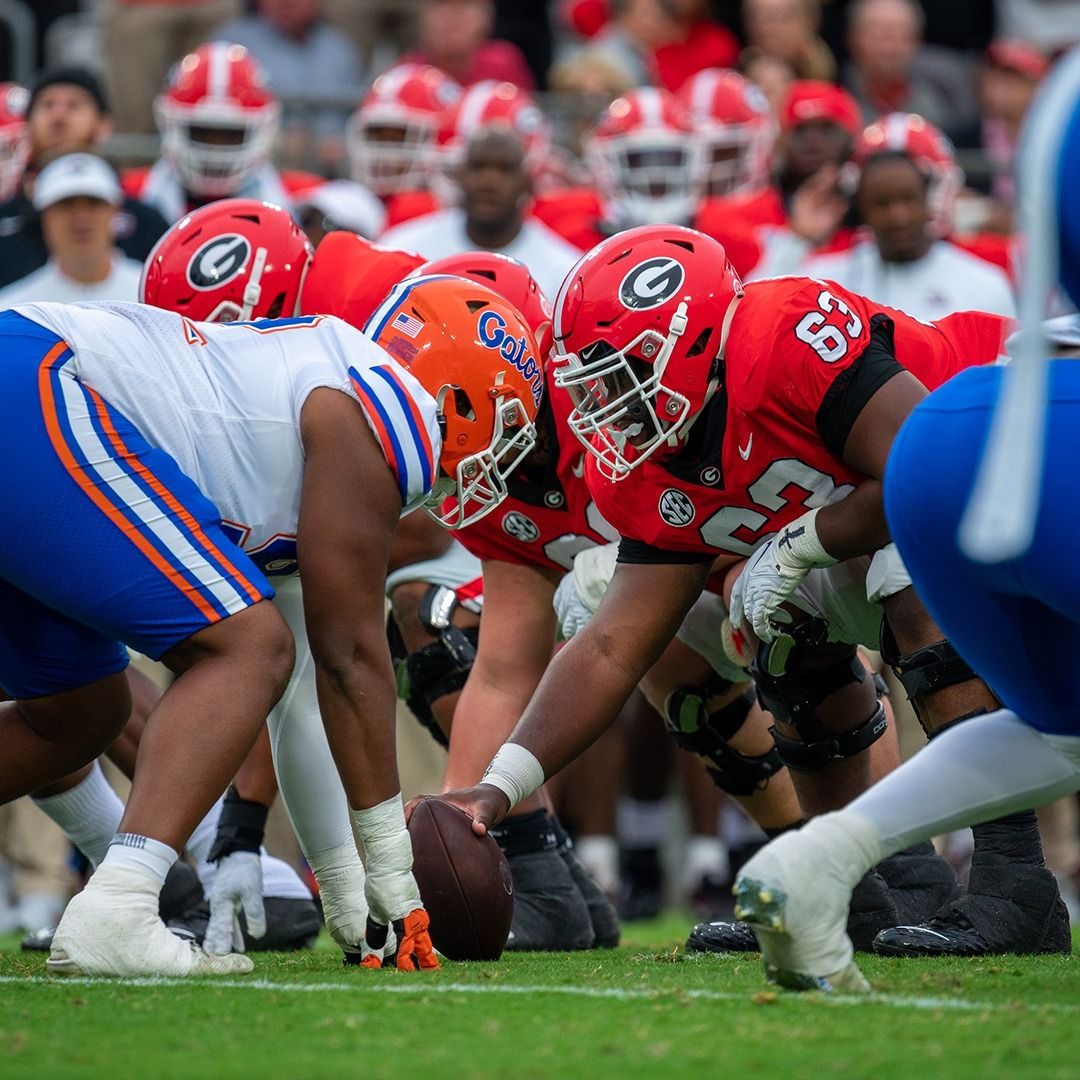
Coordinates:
(638, 552)
(240, 827)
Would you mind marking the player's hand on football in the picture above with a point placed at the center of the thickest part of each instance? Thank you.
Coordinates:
(485, 804)
(238, 886)
(571, 611)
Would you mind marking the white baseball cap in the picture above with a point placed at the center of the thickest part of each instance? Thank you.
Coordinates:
(76, 174)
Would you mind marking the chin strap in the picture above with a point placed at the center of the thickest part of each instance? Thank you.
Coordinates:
(253, 290)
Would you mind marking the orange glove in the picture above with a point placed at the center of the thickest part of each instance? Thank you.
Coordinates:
(414, 948)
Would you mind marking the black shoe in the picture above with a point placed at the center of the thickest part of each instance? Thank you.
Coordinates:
(1014, 909)
(290, 925)
(711, 899)
(643, 885)
(920, 881)
(602, 913)
(181, 892)
(722, 937)
(872, 910)
(549, 911)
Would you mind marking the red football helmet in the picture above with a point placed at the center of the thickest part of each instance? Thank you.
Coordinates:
(217, 119)
(391, 136)
(477, 357)
(641, 323)
(644, 156)
(14, 138)
(510, 279)
(234, 259)
(494, 104)
(736, 126)
(931, 150)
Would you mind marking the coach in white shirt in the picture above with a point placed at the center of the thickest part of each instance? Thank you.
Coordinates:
(77, 196)
(903, 264)
(495, 187)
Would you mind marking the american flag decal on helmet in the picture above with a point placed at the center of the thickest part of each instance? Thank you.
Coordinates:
(407, 324)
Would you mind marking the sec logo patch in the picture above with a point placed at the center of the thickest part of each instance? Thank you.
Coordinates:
(520, 527)
(651, 282)
(218, 261)
(676, 508)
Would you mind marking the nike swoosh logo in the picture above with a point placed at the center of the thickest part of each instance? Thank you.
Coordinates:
(578, 468)
(744, 454)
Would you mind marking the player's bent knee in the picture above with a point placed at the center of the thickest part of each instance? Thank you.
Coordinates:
(793, 696)
(708, 733)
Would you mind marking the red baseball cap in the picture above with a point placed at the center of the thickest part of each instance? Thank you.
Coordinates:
(1019, 56)
(812, 100)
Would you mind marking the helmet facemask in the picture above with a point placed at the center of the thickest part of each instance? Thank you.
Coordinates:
(623, 413)
(480, 479)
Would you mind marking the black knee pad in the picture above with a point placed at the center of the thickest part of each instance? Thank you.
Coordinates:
(793, 696)
(439, 668)
(694, 728)
(925, 670)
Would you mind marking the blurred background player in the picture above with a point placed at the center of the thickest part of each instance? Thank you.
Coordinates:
(66, 112)
(904, 262)
(496, 182)
(77, 197)
(218, 123)
(994, 591)
(391, 138)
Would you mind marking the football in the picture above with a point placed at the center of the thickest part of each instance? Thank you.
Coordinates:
(464, 881)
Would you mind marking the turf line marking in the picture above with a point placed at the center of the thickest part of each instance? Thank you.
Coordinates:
(610, 993)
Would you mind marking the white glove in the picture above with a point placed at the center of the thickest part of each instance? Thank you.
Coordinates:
(572, 613)
(238, 886)
(773, 573)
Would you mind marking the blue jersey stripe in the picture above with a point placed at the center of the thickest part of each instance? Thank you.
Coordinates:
(426, 464)
(401, 468)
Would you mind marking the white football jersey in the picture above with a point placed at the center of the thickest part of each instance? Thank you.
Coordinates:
(224, 400)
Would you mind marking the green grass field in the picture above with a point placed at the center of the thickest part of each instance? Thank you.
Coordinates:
(644, 1010)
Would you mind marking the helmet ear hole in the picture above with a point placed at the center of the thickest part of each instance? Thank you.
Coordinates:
(275, 308)
(700, 343)
(462, 405)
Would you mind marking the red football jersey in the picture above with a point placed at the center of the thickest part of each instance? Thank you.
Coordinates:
(549, 515)
(756, 459)
(349, 277)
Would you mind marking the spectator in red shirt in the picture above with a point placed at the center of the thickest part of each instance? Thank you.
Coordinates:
(455, 36)
(702, 44)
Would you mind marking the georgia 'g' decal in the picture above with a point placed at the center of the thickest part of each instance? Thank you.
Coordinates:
(218, 261)
(651, 283)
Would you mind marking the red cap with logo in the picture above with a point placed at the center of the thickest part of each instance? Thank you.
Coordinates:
(810, 100)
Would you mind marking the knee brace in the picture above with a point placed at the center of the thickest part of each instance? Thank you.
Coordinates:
(926, 670)
(439, 668)
(793, 696)
(694, 728)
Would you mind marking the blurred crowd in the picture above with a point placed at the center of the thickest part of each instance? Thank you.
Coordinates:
(867, 141)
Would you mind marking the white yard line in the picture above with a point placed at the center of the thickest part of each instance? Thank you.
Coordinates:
(419, 988)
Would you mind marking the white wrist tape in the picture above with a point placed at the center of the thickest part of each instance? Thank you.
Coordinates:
(798, 546)
(515, 772)
(390, 887)
(340, 875)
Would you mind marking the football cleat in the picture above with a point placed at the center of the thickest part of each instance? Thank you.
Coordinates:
(550, 914)
(796, 893)
(722, 937)
(602, 913)
(643, 885)
(920, 882)
(112, 928)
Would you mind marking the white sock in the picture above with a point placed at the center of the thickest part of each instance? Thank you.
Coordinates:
(89, 813)
(705, 856)
(979, 770)
(643, 823)
(600, 856)
(151, 858)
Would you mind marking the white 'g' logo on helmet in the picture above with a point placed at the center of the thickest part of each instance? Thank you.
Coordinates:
(218, 261)
(651, 282)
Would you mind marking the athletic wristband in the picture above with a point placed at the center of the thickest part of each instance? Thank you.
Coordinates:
(798, 547)
(240, 827)
(515, 772)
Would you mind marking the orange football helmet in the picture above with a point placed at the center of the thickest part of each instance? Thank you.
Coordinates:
(235, 259)
(478, 358)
